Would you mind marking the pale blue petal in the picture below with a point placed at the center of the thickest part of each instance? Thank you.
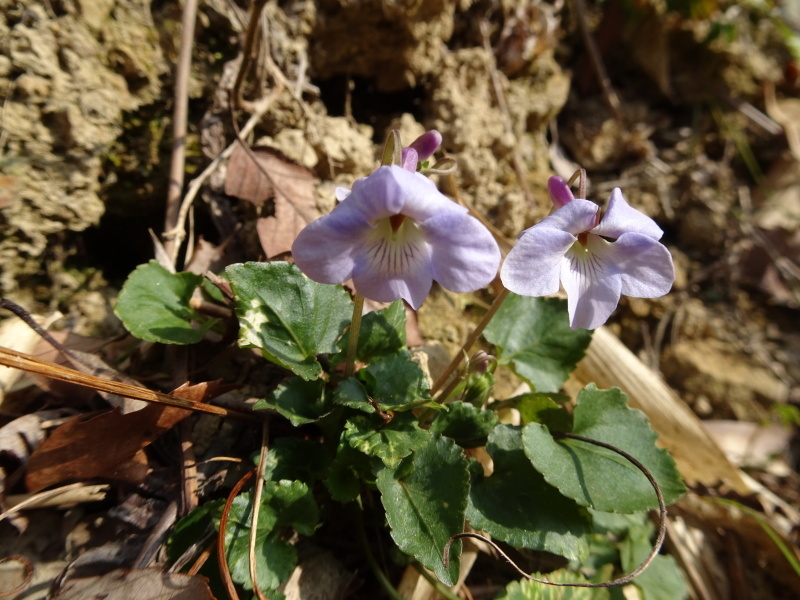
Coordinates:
(464, 255)
(574, 217)
(533, 267)
(327, 248)
(395, 265)
(410, 159)
(620, 217)
(391, 190)
(645, 265)
(593, 287)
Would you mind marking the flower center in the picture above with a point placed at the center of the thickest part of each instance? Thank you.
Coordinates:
(395, 245)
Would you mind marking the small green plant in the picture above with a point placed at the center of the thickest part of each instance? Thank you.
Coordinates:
(373, 426)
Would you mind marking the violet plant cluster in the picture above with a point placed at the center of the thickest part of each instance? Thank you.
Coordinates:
(395, 233)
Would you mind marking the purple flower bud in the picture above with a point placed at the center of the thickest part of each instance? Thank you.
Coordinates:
(427, 144)
(394, 234)
(560, 194)
(595, 262)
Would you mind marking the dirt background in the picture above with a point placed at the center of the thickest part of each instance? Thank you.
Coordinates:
(698, 124)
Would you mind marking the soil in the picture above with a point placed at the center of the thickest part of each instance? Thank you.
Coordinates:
(696, 125)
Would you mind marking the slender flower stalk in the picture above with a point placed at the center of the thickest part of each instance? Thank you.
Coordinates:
(470, 341)
(355, 328)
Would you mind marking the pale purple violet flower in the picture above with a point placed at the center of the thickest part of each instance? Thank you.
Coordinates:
(394, 234)
(595, 259)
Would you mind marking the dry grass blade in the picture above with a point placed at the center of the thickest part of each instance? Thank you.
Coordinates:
(25, 362)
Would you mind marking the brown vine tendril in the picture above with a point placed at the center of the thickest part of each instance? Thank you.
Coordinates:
(662, 527)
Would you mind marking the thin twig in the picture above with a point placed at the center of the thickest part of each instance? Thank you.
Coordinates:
(355, 328)
(262, 465)
(178, 232)
(26, 362)
(179, 121)
(250, 36)
(28, 575)
(473, 337)
(223, 524)
(597, 62)
(662, 526)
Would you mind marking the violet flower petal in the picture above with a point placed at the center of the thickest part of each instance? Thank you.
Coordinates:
(390, 267)
(620, 218)
(325, 250)
(533, 267)
(592, 283)
(575, 217)
(645, 266)
(464, 255)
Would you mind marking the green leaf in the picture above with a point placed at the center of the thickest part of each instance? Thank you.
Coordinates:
(352, 393)
(284, 504)
(192, 527)
(290, 318)
(299, 401)
(467, 425)
(154, 306)
(516, 505)
(533, 337)
(538, 408)
(425, 499)
(390, 442)
(531, 590)
(346, 473)
(382, 332)
(598, 477)
(396, 382)
(296, 458)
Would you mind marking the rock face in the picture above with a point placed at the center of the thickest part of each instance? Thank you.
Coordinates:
(68, 77)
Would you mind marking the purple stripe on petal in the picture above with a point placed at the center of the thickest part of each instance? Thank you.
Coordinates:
(464, 255)
(592, 285)
(621, 217)
(533, 267)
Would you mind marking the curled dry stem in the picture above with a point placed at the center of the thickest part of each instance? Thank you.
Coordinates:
(223, 523)
(662, 527)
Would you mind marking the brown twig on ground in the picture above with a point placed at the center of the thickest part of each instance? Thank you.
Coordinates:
(26, 362)
(250, 37)
(178, 233)
(609, 94)
(179, 120)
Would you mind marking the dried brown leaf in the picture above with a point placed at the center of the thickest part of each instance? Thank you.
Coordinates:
(144, 584)
(275, 177)
(104, 445)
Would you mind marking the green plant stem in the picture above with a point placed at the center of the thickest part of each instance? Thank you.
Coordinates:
(373, 564)
(473, 337)
(352, 344)
(435, 583)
